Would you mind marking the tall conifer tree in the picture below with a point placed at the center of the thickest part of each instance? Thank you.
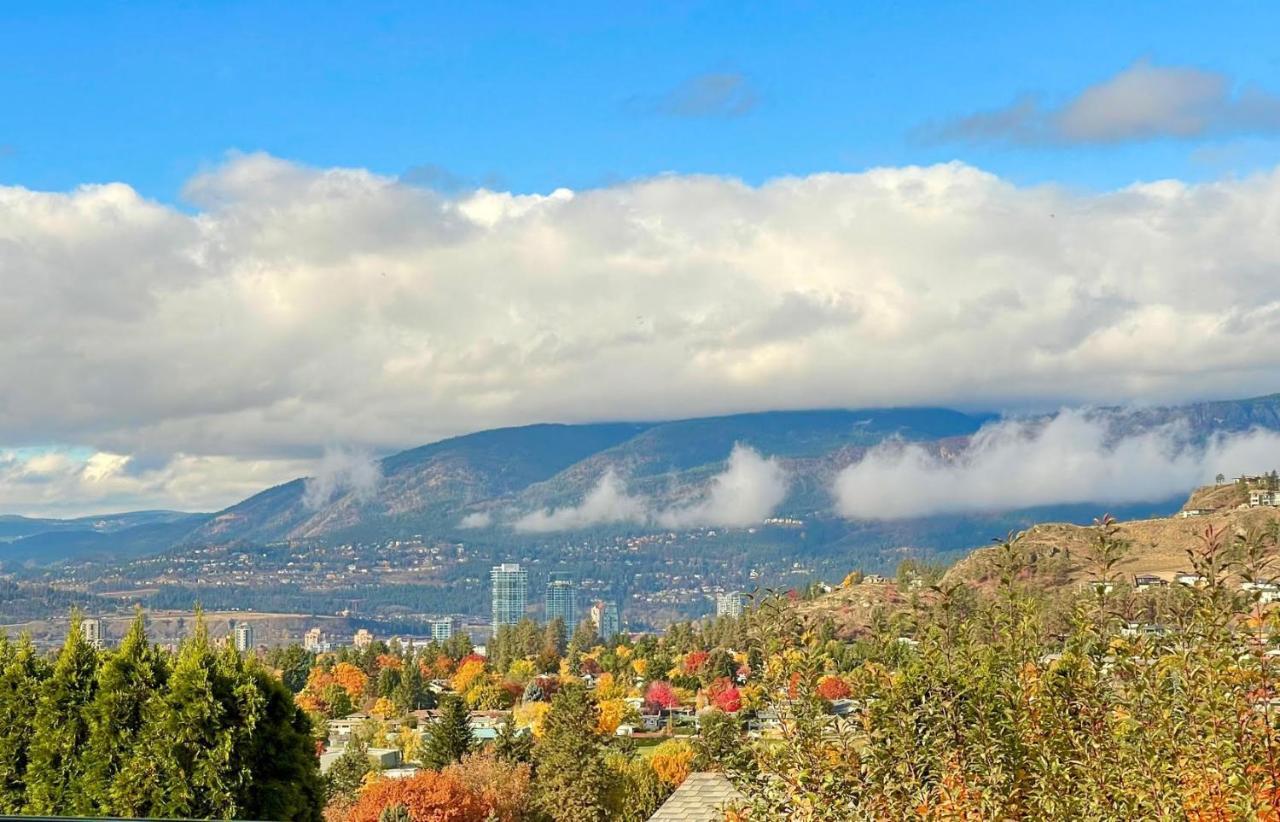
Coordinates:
(127, 680)
(572, 781)
(55, 771)
(449, 738)
(21, 673)
(182, 766)
(281, 757)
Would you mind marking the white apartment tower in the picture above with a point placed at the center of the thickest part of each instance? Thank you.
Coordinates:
(244, 637)
(730, 603)
(91, 630)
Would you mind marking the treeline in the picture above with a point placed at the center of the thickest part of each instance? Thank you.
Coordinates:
(139, 732)
(22, 601)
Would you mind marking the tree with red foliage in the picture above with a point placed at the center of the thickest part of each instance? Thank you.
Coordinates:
(591, 666)
(428, 796)
(724, 695)
(694, 661)
(660, 696)
(832, 688)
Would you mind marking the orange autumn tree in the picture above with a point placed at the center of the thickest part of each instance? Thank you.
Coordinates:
(428, 796)
(353, 680)
(672, 761)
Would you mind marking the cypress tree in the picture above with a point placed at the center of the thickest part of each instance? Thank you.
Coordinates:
(572, 781)
(286, 782)
(449, 738)
(127, 680)
(183, 764)
(60, 730)
(21, 673)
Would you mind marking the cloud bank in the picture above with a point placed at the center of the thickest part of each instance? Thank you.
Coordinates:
(1143, 102)
(1071, 458)
(63, 482)
(747, 491)
(292, 307)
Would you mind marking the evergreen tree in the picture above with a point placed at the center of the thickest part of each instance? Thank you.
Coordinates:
(388, 682)
(555, 638)
(126, 681)
(413, 694)
(21, 673)
(294, 663)
(55, 771)
(449, 738)
(347, 773)
(183, 765)
(572, 781)
(458, 646)
(513, 744)
(338, 700)
(286, 782)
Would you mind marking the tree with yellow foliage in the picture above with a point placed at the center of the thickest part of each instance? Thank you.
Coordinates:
(612, 714)
(468, 675)
(608, 688)
(522, 670)
(530, 715)
(672, 761)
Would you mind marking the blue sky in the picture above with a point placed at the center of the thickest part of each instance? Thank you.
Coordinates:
(529, 97)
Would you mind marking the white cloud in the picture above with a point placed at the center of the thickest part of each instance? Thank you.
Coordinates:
(342, 471)
(71, 482)
(607, 502)
(297, 306)
(1142, 102)
(749, 490)
(1071, 458)
(477, 519)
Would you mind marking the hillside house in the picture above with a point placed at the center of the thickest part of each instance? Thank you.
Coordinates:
(1262, 498)
(1145, 582)
(341, 730)
(380, 758)
(1267, 592)
(1188, 578)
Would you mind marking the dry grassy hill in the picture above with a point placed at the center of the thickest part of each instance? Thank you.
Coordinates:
(1058, 553)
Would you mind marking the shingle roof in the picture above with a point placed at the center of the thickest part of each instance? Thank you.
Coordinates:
(702, 797)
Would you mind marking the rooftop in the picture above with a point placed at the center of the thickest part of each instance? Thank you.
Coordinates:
(702, 797)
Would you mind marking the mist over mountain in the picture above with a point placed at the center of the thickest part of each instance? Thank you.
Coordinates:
(850, 468)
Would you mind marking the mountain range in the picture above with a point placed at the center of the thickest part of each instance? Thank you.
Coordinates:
(487, 480)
